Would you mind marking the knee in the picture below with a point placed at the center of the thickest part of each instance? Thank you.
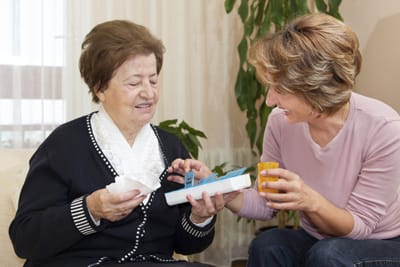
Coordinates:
(264, 241)
(256, 245)
(262, 254)
(268, 244)
(326, 251)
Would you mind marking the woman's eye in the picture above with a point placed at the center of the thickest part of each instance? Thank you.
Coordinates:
(134, 84)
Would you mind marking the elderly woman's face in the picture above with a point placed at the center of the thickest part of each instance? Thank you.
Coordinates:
(132, 94)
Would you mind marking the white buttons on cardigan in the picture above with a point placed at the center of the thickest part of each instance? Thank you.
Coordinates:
(96, 146)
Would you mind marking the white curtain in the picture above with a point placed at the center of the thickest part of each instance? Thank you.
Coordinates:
(197, 81)
(31, 61)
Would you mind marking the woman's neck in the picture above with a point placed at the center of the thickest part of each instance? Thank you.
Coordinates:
(128, 131)
(324, 128)
(130, 134)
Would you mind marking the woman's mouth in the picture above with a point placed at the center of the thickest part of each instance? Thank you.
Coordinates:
(144, 105)
(286, 111)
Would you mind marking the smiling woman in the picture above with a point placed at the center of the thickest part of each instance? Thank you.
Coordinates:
(132, 94)
(332, 146)
(87, 223)
(195, 76)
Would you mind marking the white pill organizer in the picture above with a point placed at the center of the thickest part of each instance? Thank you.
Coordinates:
(232, 181)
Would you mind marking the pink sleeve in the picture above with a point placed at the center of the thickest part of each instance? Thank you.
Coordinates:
(254, 206)
(375, 197)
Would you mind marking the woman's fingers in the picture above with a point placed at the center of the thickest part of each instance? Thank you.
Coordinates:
(113, 206)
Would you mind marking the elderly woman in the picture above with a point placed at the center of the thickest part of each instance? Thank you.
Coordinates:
(94, 194)
(339, 154)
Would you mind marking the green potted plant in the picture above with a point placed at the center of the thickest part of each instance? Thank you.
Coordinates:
(188, 135)
(259, 18)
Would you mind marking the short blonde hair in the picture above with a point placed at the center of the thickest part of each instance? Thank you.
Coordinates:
(316, 57)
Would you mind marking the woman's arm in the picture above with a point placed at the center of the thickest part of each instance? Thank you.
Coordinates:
(43, 225)
(246, 203)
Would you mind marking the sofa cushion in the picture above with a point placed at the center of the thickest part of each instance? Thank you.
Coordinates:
(14, 165)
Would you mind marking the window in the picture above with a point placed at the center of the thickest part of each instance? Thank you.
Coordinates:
(31, 62)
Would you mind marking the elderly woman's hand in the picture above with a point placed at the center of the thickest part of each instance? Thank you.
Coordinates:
(182, 166)
(113, 206)
(206, 207)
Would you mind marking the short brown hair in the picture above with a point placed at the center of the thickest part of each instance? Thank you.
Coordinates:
(316, 57)
(108, 45)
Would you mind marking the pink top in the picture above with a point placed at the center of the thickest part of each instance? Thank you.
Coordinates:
(359, 170)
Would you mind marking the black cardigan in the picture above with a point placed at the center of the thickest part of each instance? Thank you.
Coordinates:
(53, 225)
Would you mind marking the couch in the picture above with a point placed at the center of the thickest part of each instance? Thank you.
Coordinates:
(13, 167)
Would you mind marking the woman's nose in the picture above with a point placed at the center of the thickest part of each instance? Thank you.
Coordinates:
(147, 90)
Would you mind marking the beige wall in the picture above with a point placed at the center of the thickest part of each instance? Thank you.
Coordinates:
(377, 24)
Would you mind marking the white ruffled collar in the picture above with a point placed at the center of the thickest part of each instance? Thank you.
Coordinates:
(141, 163)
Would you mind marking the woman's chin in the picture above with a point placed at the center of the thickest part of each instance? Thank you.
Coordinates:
(290, 119)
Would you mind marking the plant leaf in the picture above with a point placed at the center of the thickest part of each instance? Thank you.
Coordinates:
(190, 146)
(239, 89)
(321, 6)
(242, 48)
(277, 14)
(259, 9)
(194, 140)
(301, 9)
(219, 169)
(249, 25)
(243, 10)
(229, 5)
(251, 128)
(266, 24)
(186, 134)
(172, 130)
(334, 9)
(167, 123)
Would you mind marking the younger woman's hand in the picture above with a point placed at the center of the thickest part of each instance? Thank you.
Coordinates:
(293, 194)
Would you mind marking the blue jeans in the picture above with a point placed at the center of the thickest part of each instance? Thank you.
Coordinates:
(296, 248)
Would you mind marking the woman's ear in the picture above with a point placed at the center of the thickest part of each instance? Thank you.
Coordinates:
(99, 93)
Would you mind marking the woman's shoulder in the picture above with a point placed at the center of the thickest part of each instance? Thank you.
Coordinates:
(170, 143)
(66, 138)
(164, 135)
(374, 120)
(70, 132)
(373, 109)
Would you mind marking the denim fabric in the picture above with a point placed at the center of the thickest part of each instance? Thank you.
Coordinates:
(152, 264)
(296, 248)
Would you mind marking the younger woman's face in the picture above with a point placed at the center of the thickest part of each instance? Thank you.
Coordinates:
(294, 107)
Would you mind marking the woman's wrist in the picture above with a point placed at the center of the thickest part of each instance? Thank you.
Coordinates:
(89, 205)
(199, 220)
